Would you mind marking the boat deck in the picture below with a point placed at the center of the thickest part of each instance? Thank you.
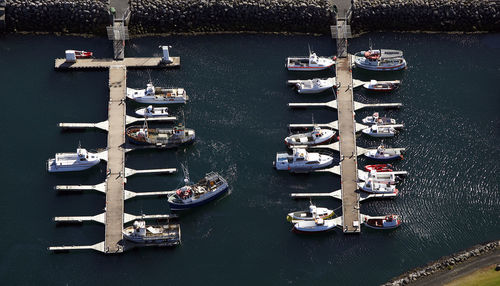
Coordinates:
(132, 63)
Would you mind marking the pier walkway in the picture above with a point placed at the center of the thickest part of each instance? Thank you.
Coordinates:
(348, 152)
(116, 160)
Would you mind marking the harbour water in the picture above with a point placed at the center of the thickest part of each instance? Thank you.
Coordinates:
(238, 96)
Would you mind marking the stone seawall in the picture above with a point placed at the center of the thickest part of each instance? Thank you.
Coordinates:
(159, 16)
(306, 16)
(426, 15)
(67, 16)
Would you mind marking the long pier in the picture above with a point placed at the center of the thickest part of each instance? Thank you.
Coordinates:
(114, 216)
(116, 160)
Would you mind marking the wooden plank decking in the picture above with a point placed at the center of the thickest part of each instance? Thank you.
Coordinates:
(132, 63)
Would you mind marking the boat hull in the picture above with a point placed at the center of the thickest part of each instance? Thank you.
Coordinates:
(52, 168)
(177, 206)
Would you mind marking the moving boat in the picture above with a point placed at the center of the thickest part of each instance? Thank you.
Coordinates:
(379, 131)
(311, 214)
(316, 85)
(157, 95)
(207, 189)
(373, 187)
(311, 63)
(315, 225)
(383, 222)
(379, 167)
(382, 85)
(161, 137)
(139, 232)
(301, 161)
(376, 119)
(67, 162)
(382, 154)
(151, 111)
(380, 60)
(315, 137)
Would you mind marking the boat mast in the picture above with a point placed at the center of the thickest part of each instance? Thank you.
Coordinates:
(186, 173)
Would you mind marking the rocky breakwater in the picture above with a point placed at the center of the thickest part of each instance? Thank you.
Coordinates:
(444, 264)
(168, 16)
(70, 16)
(426, 15)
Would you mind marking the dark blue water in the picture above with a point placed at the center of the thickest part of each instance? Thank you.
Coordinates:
(236, 83)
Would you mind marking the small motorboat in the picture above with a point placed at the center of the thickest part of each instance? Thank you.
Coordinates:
(151, 111)
(316, 85)
(382, 154)
(379, 167)
(311, 63)
(370, 186)
(381, 85)
(376, 119)
(207, 189)
(311, 214)
(82, 54)
(380, 60)
(382, 222)
(157, 95)
(379, 131)
(301, 161)
(315, 137)
(315, 225)
(160, 137)
(139, 232)
(68, 162)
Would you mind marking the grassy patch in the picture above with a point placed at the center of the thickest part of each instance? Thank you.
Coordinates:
(483, 277)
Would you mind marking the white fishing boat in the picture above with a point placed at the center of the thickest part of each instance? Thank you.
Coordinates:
(380, 60)
(151, 111)
(315, 137)
(376, 119)
(301, 161)
(315, 225)
(68, 162)
(311, 63)
(382, 154)
(388, 85)
(207, 189)
(373, 187)
(379, 131)
(310, 214)
(382, 222)
(316, 85)
(139, 232)
(157, 95)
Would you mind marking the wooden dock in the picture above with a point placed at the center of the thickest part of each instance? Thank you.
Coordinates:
(116, 160)
(348, 153)
(131, 63)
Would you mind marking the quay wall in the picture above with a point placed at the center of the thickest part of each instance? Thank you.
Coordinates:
(306, 16)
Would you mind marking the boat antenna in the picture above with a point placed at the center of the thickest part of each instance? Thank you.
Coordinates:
(149, 75)
(186, 173)
(312, 118)
(309, 47)
(79, 145)
(370, 43)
